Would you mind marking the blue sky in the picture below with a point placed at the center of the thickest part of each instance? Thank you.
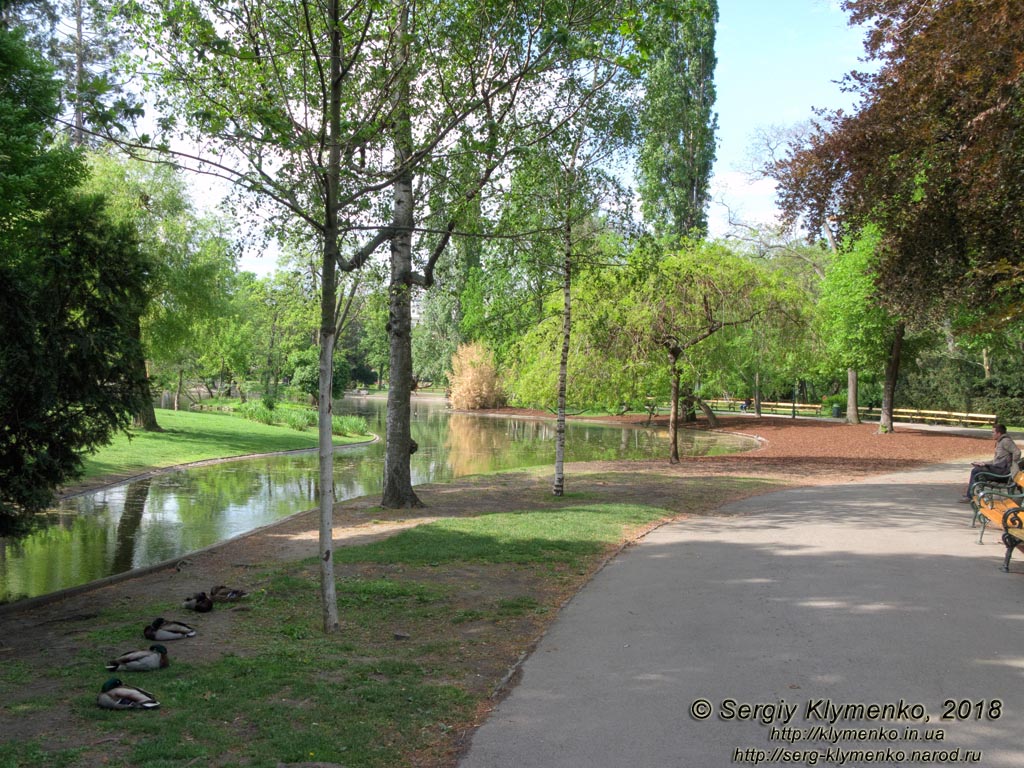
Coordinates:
(777, 60)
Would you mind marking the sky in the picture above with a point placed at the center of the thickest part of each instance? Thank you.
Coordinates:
(777, 61)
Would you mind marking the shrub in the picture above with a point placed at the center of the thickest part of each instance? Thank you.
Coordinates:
(474, 379)
(349, 425)
(297, 419)
(306, 373)
(257, 411)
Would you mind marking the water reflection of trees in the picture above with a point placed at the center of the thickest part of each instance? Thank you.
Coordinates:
(472, 444)
(52, 558)
(129, 523)
(139, 524)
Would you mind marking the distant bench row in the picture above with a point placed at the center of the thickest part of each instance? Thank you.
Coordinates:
(899, 414)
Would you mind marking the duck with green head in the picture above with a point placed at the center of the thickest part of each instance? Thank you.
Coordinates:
(140, 661)
(117, 695)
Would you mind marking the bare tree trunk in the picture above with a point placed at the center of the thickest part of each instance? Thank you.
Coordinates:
(145, 418)
(688, 398)
(328, 334)
(892, 372)
(673, 412)
(328, 589)
(78, 131)
(852, 414)
(563, 363)
(986, 363)
(757, 394)
(398, 492)
(177, 390)
(708, 414)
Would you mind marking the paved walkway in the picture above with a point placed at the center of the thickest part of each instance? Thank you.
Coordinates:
(843, 595)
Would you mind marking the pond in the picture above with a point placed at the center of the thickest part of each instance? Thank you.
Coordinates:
(148, 521)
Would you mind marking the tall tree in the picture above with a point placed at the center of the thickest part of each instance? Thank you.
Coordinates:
(687, 297)
(934, 154)
(564, 195)
(337, 114)
(190, 258)
(71, 288)
(81, 40)
(857, 330)
(677, 122)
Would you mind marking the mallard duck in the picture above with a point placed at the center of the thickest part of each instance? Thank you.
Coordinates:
(140, 661)
(222, 594)
(161, 629)
(117, 695)
(199, 602)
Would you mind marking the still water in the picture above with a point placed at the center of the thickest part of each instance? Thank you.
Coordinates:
(144, 522)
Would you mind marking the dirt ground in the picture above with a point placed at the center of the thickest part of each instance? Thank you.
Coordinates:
(791, 452)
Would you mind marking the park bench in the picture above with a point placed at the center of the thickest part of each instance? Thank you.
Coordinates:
(996, 499)
(1012, 538)
(993, 495)
(778, 408)
(934, 417)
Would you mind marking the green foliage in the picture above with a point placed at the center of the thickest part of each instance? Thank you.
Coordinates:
(33, 170)
(257, 411)
(72, 287)
(605, 370)
(301, 419)
(191, 258)
(436, 336)
(677, 123)
(305, 375)
(935, 380)
(70, 298)
(83, 43)
(355, 426)
(1003, 397)
(855, 327)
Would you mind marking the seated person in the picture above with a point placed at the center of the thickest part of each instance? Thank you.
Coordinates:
(1005, 461)
(745, 405)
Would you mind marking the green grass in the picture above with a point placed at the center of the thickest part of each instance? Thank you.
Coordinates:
(283, 692)
(561, 535)
(190, 436)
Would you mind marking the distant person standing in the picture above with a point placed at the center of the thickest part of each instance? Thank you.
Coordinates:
(1005, 461)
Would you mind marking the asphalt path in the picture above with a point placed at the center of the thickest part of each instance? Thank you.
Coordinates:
(783, 621)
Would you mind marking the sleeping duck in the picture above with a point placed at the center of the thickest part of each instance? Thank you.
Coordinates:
(117, 695)
(199, 602)
(222, 594)
(140, 661)
(161, 629)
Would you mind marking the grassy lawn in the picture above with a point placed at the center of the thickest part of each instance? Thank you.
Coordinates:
(432, 620)
(190, 436)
